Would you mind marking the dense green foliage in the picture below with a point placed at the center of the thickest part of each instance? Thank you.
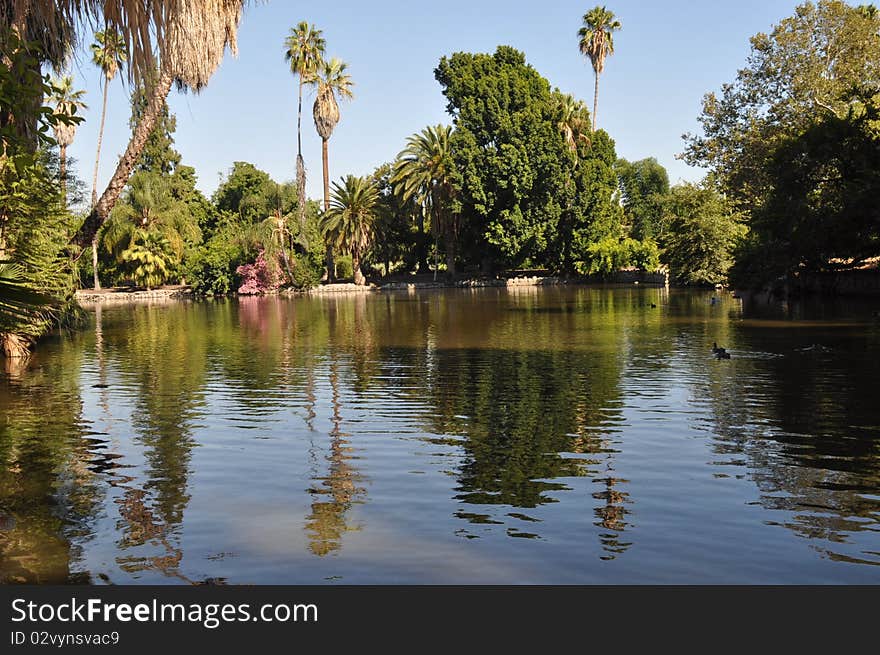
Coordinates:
(643, 184)
(532, 192)
(790, 143)
(702, 231)
(36, 280)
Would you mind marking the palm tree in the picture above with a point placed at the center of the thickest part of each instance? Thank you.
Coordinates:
(332, 81)
(574, 122)
(149, 207)
(67, 103)
(348, 225)
(597, 43)
(192, 37)
(304, 51)
(108, 53)
(425, 172)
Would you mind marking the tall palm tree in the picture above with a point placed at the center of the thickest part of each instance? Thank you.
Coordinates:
(597, 42)
(67, 104)
(349, 223)
(108, 53)
(333, 82)
(424, 172)
(192, 37)
(304, 51)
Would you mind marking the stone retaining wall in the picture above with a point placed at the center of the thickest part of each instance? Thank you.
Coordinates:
(118, 296)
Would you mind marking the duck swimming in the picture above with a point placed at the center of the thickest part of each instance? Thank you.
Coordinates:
(720, 353)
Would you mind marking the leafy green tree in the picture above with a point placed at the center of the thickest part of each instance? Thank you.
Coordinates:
(158, 154)
(508, 153)
(244, 192)
(349, 223)
(643, 185)
(702, 233)
(425, 174)
(148, 258)
(592, 214)
(822, 213)
(801, 72)
(596, 41)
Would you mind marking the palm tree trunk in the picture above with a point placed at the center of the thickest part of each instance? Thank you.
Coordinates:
(95, 263)
(62, 174)
(595, 101)
(325, 156)
(299, 118)
(300, 166)
(359, 278)
(101, 211)
(98, 154)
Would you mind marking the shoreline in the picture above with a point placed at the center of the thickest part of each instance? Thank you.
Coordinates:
(117, 295)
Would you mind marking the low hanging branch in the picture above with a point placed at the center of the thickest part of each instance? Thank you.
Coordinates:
(101, 211)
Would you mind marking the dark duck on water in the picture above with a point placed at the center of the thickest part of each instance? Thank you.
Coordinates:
(720, 353)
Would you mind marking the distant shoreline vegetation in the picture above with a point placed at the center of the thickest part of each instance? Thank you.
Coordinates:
(523, 177)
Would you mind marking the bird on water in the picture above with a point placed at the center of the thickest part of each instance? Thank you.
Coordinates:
(720, 353)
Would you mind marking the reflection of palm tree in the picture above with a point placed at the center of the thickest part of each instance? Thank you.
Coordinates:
(327, 524)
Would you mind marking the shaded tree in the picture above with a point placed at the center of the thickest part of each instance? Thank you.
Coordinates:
(643, 184)
(800, 72)
(702, 233)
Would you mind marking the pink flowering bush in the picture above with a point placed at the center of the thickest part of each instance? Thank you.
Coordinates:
(259, 278)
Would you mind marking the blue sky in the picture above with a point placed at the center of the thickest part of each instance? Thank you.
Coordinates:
(667, 56)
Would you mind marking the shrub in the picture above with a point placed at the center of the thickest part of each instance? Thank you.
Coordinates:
(344, 268)
(259, 278)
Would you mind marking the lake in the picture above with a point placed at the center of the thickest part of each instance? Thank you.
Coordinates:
(531, 436)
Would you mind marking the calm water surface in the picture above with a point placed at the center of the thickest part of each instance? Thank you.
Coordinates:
(533, 436)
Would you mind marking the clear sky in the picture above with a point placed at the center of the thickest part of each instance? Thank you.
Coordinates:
(668, 55)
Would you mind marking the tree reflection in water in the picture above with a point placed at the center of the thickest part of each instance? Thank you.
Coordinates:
(532, 411)
(328, 522)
